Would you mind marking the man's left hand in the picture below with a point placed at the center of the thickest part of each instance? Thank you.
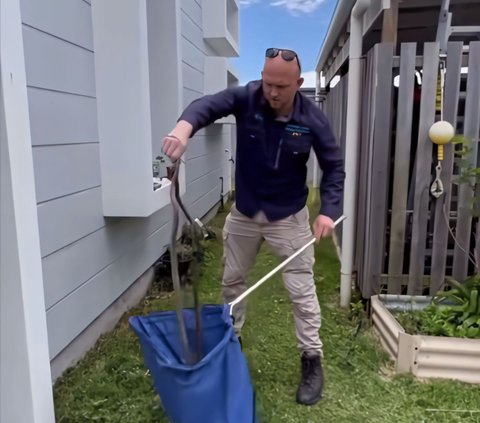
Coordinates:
(322, 227)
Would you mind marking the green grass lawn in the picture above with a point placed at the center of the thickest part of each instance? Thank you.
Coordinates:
(111, 384)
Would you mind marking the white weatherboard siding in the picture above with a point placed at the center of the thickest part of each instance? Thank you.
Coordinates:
(206, 159)
(89, 260)
(25, 387)
(135, 82)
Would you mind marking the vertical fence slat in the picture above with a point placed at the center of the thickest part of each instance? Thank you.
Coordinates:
(363, 187)
(334, 107)
(342, 126)
(338, 113)
(402, 165)
(476, 251)
(465, 194)
(368, 174)
(370, 121)
(442, 205)
(344, 115)
(380, 162)
(361, 216)
(423, 168)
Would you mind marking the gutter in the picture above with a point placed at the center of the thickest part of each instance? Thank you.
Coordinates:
(352, 148)
(340, 18)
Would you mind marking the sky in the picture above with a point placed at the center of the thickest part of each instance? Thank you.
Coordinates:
(300, 25)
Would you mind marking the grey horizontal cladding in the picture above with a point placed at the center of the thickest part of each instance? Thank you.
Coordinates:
(189, 96)
(193, 10)
(69, 317)
(192, 78)
(199, 187)
(199, 166)
(206, 202)
(71, 20)
(64, 169)
(202, 132)
(69, 268)
(192, 55)
(67, 219)
(61, 118)
(202, 146)
(57, 65)
(192, 32)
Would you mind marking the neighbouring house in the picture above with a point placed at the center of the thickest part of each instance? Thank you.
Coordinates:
(88, 90)
(392, 68)
(309, 84)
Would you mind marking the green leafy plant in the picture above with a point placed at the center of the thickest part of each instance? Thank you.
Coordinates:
(468, 175)
(453, 313)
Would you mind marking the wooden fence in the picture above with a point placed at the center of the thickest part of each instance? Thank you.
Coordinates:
(404, 240)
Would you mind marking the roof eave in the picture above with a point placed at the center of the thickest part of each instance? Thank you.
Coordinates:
(339, 19)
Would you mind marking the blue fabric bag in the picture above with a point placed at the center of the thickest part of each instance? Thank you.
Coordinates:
(217, 389)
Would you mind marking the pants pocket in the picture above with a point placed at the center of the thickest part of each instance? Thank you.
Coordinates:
(302, 217)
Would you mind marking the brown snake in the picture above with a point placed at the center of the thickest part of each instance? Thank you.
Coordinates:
(177, 205)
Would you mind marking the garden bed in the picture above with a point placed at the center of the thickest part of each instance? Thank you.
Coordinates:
(424, 356)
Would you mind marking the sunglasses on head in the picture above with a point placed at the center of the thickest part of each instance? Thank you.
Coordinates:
(287, 55)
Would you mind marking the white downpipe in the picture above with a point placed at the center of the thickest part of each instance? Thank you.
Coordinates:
(352, 148)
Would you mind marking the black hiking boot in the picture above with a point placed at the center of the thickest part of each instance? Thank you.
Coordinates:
(310, 389)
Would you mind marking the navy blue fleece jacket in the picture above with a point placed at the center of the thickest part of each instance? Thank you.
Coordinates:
(271, 155)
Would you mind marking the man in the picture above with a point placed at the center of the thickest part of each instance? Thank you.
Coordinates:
(276, 128)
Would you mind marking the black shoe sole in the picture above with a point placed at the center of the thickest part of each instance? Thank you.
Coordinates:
(311, 402)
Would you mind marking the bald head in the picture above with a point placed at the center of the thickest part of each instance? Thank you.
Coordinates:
(280, 67)
(281, 81)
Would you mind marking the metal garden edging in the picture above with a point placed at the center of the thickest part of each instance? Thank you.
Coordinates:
(423, 356)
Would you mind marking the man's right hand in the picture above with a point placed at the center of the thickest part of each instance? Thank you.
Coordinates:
(175, 143)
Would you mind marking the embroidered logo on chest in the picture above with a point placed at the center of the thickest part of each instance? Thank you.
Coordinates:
(296, 130)
(258, 117)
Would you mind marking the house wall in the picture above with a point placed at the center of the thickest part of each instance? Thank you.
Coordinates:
(206, 158)
(89, 260)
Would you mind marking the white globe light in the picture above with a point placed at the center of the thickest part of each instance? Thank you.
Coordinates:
(441, 132)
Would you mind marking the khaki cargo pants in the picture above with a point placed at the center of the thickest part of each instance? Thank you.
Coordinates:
(243, 237)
